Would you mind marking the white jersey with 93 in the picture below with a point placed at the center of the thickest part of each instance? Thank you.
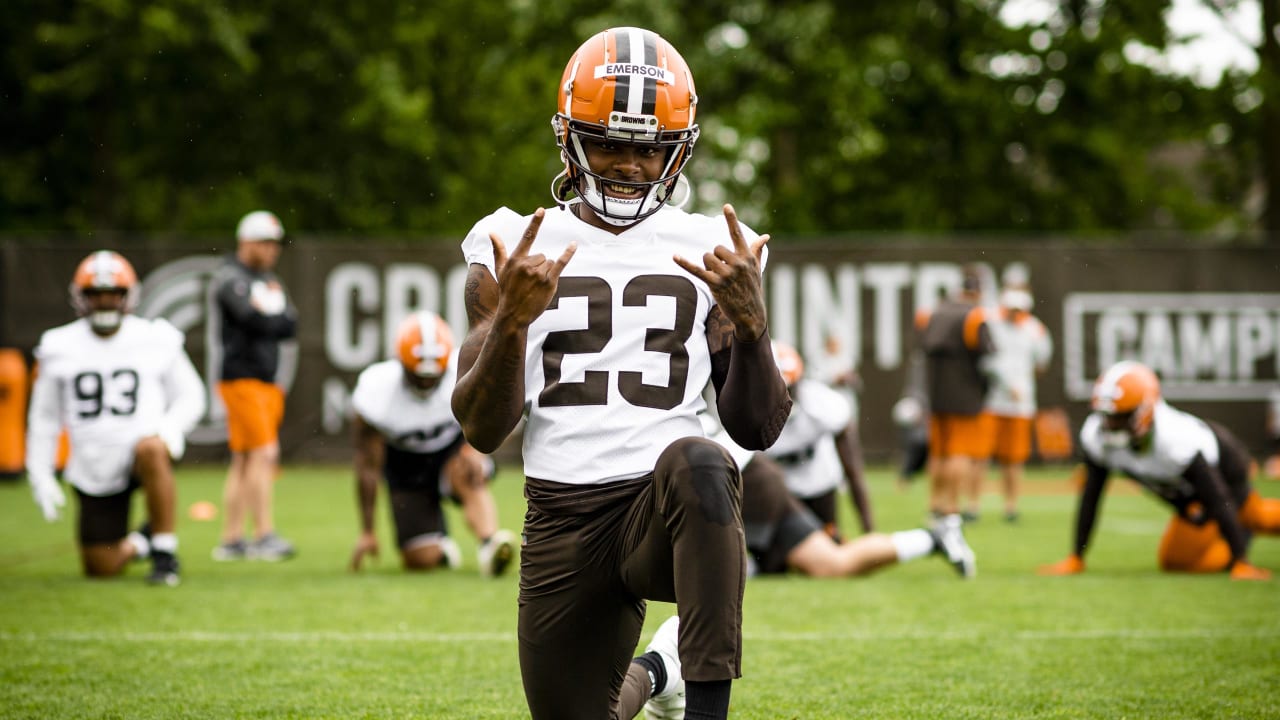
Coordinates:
(407, 420)
(615, 367)
(109, 393)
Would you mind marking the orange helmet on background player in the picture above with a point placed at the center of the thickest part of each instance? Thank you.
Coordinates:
(1127, 395)
(789, 362)
(424, 344)
(626, 85)
(104, 270)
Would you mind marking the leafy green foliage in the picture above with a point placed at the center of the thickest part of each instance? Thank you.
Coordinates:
(177, 116)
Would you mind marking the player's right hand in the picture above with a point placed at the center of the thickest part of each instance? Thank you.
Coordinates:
(366, 545)
(526, 283)
(1072, 565)
(1242, 570)
(48, 495)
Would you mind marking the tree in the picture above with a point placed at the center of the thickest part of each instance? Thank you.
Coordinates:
(415, 119)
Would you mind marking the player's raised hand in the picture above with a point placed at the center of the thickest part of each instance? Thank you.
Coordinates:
(733, 274)
(526, 283)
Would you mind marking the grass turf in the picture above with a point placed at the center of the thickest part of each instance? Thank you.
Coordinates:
(307, 639)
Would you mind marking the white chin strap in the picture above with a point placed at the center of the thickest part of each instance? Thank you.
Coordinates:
(105, 319)
(631, 210)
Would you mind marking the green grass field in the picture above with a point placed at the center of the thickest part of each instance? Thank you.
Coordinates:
(307, 639)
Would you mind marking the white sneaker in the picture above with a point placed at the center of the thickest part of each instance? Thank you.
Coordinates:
(452, 553)
(667, 702)
(495, 555)
(950, 541)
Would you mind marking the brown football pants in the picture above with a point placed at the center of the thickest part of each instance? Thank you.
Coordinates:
(593, 554)
(1187, 547)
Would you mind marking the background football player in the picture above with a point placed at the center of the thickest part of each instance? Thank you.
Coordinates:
(1023, 348)
(127, 394)
(783, 533)
(1198, 468)
(818, 445)
(405, 432)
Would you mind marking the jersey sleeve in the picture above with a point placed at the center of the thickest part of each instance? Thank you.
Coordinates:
(184, 389)
(44, 418)
(827, 407)
(361, 397)
(1042, 349)
(477, 248)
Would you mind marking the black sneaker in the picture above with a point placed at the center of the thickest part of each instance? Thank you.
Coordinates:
(271, 548)
(164, 569)
(230, 551)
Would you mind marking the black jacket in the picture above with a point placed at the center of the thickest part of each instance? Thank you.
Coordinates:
(250, 338)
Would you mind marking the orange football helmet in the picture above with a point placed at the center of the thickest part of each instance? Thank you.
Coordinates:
(627, 85)
(104, 270)
(789, 362)
(1127, 394)
(424, 343)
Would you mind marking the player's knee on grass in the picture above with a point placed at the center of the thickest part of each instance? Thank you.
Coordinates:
(105, 560)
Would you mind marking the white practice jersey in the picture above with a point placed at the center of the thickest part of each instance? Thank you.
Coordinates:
(407, 419)
(1023, 348)
(1176, 439)
(614, 368)
(806, 448)
(109, 393)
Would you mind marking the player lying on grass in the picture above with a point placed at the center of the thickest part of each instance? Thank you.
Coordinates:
(1198, 468)
(784, 534)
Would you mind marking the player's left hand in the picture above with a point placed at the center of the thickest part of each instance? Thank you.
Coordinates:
(48, 494)
(733, 274)
(367, 544)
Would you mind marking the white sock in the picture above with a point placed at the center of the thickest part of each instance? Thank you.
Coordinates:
(912, 544)
(141, 548)
(165, 542)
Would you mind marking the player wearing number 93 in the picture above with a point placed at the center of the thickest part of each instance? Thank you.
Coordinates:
(602, 321)
(127, 394)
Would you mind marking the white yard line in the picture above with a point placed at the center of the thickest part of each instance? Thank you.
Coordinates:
(214, 636)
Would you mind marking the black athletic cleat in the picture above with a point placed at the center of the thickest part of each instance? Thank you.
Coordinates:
(164, 569)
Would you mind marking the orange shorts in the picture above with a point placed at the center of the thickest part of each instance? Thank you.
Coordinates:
(1012, 442)
(254, 411)
(1186, 547)
(960, 435)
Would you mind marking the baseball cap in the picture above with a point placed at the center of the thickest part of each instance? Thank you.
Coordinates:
(260, 225)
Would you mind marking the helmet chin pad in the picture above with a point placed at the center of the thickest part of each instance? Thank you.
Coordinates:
(105, 320)
(620, 212)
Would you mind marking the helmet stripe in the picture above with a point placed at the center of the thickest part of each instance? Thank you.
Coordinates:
(622, 83)
(649, 101)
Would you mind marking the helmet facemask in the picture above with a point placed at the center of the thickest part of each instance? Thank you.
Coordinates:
(588, 186)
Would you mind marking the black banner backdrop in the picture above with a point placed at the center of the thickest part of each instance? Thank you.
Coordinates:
(1206, 318)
